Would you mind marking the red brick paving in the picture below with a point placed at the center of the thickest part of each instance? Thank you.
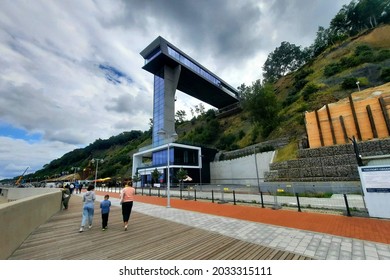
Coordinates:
(371, 229)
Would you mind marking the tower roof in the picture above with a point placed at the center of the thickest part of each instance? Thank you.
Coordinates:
(195, 80)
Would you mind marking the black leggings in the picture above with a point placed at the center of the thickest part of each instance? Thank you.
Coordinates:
(126, 210)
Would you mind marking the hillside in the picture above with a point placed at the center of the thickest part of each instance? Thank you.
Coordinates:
(321, 89)
(328, 78)
(364, 58)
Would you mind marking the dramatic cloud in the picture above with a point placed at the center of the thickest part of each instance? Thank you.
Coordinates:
(72, 73)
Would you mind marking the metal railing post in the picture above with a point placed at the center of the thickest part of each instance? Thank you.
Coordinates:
(346, 205)
(299, 205)
(262, 200)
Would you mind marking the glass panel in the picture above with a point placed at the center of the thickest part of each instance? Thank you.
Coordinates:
(193, 66)
(152, 55)
(158, 108)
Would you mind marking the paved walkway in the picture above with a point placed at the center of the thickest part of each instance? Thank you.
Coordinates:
(147, 238)
(319, 236)
(154, 227)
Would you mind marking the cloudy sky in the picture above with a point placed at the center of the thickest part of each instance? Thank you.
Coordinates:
(71, 71)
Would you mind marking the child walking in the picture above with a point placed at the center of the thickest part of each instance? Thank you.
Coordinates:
(105, 206)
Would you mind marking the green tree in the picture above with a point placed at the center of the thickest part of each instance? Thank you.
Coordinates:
(136, 178)
(321, 41)
(180, 116)
(284, 59)
(155, 176)
(262, 106)
(181, 174)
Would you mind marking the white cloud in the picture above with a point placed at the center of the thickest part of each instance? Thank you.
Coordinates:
(17, 155)
(51, 82)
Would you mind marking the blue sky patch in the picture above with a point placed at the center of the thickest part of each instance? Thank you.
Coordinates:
(10, 131)
(114, 75)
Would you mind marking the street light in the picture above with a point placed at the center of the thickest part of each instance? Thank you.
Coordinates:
(357, 83)
(200, 169)
(97, 165)
(173, 138)
(75, 169)
(257, 170)
(168, 181)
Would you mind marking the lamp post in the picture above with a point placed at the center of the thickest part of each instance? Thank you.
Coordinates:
(257, 170)
(173, 138)
(75, 169)
(168, 181)
(97, 165)
(357, 83)
(200, 169)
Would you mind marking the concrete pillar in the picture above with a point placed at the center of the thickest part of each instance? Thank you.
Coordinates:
(171, 79)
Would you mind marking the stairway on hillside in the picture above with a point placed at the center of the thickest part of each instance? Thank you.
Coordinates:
(331, 163)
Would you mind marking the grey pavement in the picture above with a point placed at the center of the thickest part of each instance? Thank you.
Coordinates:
(312, 244)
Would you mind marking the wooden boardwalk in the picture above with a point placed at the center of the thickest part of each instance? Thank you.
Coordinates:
(147, 238)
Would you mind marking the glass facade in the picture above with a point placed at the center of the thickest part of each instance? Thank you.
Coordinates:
(193, 66)
(152, 55)
(160, 158)
(158, 110)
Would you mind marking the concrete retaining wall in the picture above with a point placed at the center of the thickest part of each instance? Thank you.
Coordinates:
(13, 194)
(241, 170)
(19, 218)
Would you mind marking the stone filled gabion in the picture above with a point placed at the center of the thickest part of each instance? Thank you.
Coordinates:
(331, 163)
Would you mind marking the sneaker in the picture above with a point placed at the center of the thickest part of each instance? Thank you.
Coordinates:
(81, 229)
(125, 227)
(90, 226)
(103, 229)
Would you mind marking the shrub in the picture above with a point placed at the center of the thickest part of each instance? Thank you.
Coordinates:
(300, 84)
(226, 141)
(366, 57)
(290, 99)
(308, 90)
(301, 74)
(385, 75)
(267, 148)
(382, 55)
(362, 50)
(350, 61)
(332, 69)
(349, 83)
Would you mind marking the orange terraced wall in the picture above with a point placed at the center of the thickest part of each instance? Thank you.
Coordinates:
(344, 109)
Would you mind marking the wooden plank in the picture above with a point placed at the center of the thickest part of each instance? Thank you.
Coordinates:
(331, 125)
(372, 122)
(355, 119)
(385, 114)
(147, 238)
(319, 128)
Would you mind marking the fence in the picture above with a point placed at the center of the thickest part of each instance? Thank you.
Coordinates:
(350, 204)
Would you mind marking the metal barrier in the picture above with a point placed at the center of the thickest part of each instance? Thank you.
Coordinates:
(348, 204)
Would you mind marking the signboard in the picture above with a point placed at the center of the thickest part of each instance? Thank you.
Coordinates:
(376, 188)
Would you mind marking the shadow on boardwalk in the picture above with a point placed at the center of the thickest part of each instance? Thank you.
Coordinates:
(147, 238)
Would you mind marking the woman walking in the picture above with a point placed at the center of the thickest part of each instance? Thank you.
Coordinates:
(126, 200)
(88, 208)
